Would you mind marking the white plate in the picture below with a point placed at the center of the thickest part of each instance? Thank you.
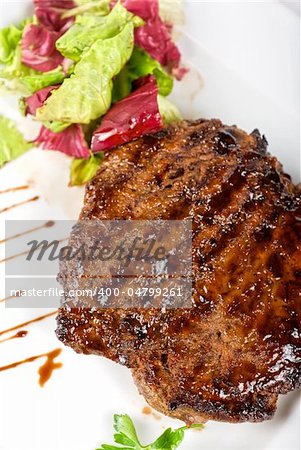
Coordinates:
(247, 55)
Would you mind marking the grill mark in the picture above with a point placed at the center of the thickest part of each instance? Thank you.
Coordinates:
(234, 229)
(135, 160)
(247, 228)
(224, 264)
(216, 246)
(176, 191)
(228, 190)
(240, 204)
(254, 266)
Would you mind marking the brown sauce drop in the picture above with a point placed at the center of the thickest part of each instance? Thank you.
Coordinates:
(45, 371)
(19, 334)
(8, 208)
(147, 410)
(48, 224)
(24, 324)
(14, 189)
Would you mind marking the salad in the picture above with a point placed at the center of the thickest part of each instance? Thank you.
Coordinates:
(94, 74)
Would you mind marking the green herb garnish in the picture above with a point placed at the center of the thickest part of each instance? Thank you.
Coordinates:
(126, 436)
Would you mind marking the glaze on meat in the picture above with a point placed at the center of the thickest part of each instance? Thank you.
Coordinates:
(229, 356)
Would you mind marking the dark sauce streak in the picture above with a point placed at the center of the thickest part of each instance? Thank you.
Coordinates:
(14, 189)
(24, 324)
(26, 252)
(8, 208)
(45, 371)
(18, 335)
(48, 224)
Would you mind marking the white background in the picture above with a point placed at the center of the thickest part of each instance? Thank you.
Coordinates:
(245, 59)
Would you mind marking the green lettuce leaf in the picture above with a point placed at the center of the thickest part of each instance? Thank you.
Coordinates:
(98, 7)
(9, 40)
(88, 28)
(56, 127)
(11, 68)
(12, 143)
(87, 94)
(82, 170)
(139, 65)
(35, 81)
(169, 112)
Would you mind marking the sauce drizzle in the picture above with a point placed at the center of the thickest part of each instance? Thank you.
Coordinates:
(26, 252)
(32, 199)
(19, 334)
(47, 224)
(10, 297)
(13, 189)
(45, 371)
(24, 324)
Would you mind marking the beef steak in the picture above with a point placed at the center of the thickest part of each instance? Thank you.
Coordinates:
(230, 355)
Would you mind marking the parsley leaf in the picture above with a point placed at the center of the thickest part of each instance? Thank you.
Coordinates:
(126, 436)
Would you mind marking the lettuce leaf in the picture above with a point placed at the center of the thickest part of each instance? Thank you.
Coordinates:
(35, 101)
(82, 170)
(88, 28)
(140, 65)
(35, 81)
(29, 105)
(12, 143)
(97, 7)
(9, 40)
(11, 67)
(169, 112)
(87, 94)
(56, 127)
(134, 116)
(14, 75)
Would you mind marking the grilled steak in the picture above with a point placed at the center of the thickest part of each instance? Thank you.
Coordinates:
(230, 355)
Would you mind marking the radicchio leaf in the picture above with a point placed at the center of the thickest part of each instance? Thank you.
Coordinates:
(155, 35)
(49, 12)
(71, 141)
(38, 48)
(134, 116)
(36, 100)
(146, 9)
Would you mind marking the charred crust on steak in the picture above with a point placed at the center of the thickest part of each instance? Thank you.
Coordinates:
(230, 355)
